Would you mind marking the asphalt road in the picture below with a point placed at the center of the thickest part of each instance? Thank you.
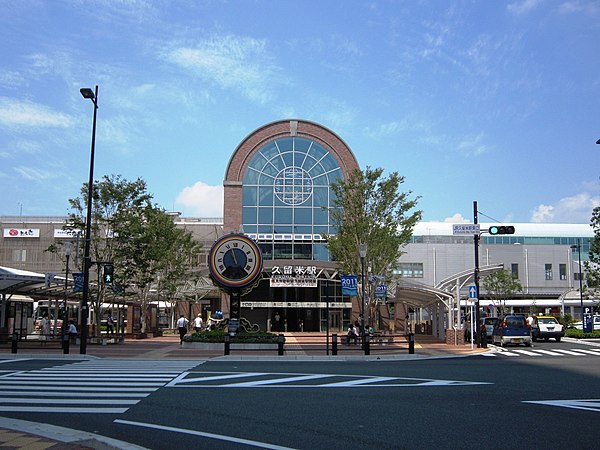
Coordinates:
(488, 402)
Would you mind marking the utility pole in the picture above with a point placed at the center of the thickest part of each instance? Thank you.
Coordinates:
(476, 277)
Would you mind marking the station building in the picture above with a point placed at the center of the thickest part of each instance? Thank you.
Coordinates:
(277, 191)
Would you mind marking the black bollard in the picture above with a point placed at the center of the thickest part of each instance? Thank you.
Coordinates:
(411, 343)
(66, 342)
(15, 341)
(367, 344)
(334, 344)
(227, 344)
(280, 342)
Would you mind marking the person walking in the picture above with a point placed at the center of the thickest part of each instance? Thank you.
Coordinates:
(182, 324)
(45, 329)
(198, 323)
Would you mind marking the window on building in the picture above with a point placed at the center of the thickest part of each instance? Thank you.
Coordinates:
(548, 271)
(577, 276)
(410, 270)
(514, 270)
(19, 255)
(562, 270)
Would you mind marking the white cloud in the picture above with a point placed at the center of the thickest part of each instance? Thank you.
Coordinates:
(202, 200)
(473, 145)
(575, 209)
(232, 62)
(522, 7)
(456, 218)
(25, 113)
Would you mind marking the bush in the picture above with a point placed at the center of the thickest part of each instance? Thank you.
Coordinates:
(579, 334)
(218, 336)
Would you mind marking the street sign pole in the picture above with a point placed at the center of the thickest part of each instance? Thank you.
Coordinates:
(476, 276)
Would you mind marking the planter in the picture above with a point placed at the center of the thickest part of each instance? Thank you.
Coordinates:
(233, 346)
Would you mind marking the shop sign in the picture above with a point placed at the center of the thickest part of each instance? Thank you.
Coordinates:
(293, 276)
(66, 234)
(296, 304)
(21, 233)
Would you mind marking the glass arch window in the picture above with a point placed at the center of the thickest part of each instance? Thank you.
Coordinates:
(286, 195)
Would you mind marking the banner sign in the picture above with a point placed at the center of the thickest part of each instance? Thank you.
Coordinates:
(293, 276)
(21, 233)
(349, 285)
(66, 234)
(78, 281)
(381, 291)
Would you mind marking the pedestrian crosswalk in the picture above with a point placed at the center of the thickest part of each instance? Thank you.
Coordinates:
(554, 352)
(91, 386)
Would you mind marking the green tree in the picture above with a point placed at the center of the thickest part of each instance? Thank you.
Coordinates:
(154, 254)
(369, 208)
(139, 238)
(592, 267)
(501, 286)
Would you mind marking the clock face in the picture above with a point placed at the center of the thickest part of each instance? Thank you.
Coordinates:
(235, 261)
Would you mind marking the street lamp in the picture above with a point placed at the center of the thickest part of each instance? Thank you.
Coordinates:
(93, 96)
(362, 251)
(578, 247)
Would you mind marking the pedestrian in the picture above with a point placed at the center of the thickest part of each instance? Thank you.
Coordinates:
(110, 323)
(72, 330)
(182, 324)
(44, 329)
(198, 323)
(352, 336)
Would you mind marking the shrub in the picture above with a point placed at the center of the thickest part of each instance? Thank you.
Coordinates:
(579, 334)
(218, 336)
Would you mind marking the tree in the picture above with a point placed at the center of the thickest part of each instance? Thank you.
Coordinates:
(369, 209)
(592, 267)
(154, 253)
(501, 286)
(139, 238)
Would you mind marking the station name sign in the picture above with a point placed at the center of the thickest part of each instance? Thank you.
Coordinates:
(465, 229)
(293, 276)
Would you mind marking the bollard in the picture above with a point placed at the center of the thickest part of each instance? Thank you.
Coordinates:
(15, 340)
(334, 344)
(227, 344)
(411, 343)
(280, 341)
(66, 342)
(367, 344)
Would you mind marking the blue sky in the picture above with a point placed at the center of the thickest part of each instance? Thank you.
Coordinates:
(492, 101)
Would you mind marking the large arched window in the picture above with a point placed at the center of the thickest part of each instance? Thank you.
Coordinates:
(287, 199)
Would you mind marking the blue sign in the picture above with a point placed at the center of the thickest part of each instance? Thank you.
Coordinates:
(588, 325)
(472, 292)
(349, 285)
(381, 291)
(78, 281)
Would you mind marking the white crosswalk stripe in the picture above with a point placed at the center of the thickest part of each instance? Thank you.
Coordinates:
(91, 386)
(555, 352)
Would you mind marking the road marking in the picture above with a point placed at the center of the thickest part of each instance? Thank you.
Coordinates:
(527, 352)
(586, 405)
(219, 437)
(567, 352)
(548, 352)
(105, 387)
(295, 380)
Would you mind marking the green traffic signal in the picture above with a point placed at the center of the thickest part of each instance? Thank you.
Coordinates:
(501, 229)
(108, 273)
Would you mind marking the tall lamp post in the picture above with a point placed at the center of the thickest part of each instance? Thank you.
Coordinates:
(93, 96)
(578, 247)
(362, 251)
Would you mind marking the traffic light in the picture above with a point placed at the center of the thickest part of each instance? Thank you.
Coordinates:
(108, 273)
(502, 229)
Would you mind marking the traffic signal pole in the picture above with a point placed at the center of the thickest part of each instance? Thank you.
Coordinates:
(476, 278)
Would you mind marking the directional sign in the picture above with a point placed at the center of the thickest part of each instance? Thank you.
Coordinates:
(472, 292)
(468, 229)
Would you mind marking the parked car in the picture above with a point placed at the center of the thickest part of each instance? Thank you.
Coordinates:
(511, 329)
(489, 323)
(595, 323)
(546, 327)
